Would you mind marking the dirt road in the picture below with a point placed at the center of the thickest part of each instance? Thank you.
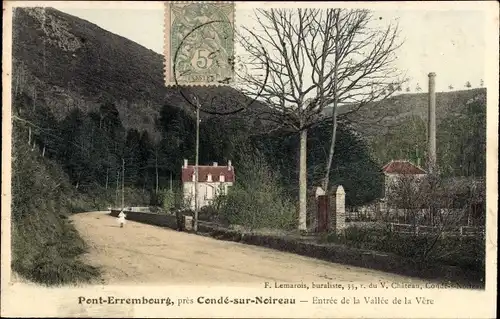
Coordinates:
(140, 253)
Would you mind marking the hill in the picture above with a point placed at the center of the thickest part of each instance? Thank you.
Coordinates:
(396, 128)
(378, 118)
(66, 62)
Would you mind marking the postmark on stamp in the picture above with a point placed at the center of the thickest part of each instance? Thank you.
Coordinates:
(199, 43)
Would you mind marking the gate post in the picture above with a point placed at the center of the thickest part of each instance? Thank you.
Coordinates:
(337, 205)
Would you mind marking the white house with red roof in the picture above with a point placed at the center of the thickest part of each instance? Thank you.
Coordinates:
(395, 170)
(212, 181)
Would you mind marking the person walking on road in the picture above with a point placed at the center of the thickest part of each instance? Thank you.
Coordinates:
(121, 218)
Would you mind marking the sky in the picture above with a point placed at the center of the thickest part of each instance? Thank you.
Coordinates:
(450, 43)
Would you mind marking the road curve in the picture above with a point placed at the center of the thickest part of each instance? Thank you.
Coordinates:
(146, 254)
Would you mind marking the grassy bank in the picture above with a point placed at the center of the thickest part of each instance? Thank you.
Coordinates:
(46, 248)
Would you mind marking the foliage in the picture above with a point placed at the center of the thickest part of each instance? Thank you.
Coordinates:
(353, 167)
(257, 200)
(169, 200)
(406, 141)
(467, 253)
(462, 140)
(437, 200)
(45, 246)
(398, 130)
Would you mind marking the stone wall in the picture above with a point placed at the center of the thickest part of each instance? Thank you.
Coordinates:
(162, 220)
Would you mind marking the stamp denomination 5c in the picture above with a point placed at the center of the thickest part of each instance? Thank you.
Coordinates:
(199, 43)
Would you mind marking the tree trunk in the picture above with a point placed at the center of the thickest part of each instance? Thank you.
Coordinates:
(171, 181)
(117, 187)
(107, 177)
(43, 152)
(123, 183)
(16, 83)
(156, 169)
(34, 98)
(303, 181)
(332, 150)
(334, 115)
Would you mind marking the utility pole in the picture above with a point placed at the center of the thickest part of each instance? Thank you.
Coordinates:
(123, 183)
(431, 126)
(117, 187)
(195, 226)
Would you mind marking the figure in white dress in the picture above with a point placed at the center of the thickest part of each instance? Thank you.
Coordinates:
(121, 218)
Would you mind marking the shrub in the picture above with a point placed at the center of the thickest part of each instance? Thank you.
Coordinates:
(208, 213)
(168, 202)
(467, 253)
(257, 200)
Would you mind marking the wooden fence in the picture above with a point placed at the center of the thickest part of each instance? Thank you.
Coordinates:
(462, 231)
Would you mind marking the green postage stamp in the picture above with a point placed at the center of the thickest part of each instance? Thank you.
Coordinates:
(199, 43)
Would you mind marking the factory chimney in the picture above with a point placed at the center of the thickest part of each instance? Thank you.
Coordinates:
(431, 127)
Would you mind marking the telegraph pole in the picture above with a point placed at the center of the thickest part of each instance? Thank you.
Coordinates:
(123, 183)
(195, 226)
(431, 126)
(117, 187)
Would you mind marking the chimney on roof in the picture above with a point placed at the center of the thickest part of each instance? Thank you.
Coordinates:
(431, 129)
(229, 165)
(215, 164)
(185, 163)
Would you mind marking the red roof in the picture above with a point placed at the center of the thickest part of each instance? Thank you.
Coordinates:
(203, 171)
(402, 167)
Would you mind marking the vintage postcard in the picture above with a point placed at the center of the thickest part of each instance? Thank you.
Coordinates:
(223, 159)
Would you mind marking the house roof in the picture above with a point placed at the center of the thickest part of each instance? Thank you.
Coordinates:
(402, 167)
(203, 171)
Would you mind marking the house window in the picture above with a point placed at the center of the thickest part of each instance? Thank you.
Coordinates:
(209, 177)
(222, 178)
(193, 177)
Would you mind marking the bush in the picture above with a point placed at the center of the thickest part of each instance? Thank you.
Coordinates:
(257, 200)
(466, 253)
(208, 213)
(168, 200)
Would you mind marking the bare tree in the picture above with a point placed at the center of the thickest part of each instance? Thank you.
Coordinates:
(318, 60)
(363, 65)
(402, 194)
(438, 206)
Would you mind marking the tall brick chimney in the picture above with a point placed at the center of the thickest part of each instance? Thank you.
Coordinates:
(431, 127)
